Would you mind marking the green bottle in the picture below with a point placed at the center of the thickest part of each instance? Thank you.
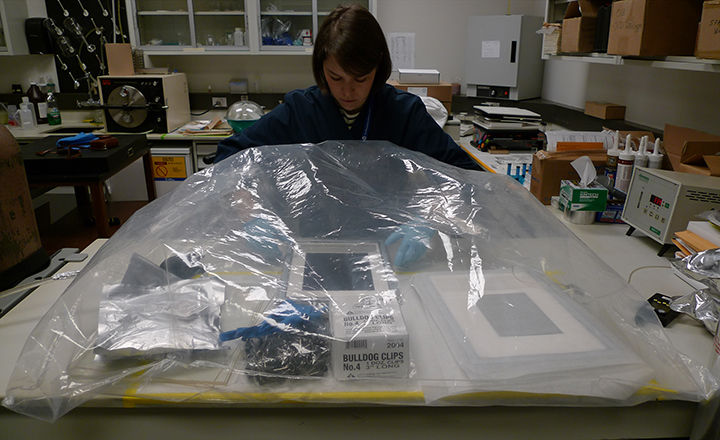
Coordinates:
(53, 112)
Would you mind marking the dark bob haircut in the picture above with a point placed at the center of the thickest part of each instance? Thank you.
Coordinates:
(353, 36)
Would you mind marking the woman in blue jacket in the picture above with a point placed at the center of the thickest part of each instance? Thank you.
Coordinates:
(351, 101)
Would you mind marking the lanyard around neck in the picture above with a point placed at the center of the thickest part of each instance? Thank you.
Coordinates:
(366, 128)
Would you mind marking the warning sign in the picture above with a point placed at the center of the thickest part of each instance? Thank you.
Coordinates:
(169, 168)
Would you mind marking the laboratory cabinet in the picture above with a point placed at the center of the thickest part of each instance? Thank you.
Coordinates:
(292, 24)
(12, 27)
(230, 26)
(173, 161)
(214, 25)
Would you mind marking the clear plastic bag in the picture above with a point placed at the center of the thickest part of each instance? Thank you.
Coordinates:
(351, 272)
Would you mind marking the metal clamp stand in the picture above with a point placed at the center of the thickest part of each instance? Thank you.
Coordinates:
(13, 296)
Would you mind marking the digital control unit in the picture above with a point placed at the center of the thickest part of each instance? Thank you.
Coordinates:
(661, 202)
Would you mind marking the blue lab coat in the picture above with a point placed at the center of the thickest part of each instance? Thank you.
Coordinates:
(312, 116)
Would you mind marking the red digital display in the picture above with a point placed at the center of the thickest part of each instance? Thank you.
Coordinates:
(655, 200)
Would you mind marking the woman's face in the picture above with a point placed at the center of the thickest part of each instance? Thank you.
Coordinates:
(349, 91)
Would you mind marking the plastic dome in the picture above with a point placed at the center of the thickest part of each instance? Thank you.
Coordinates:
(243, 114)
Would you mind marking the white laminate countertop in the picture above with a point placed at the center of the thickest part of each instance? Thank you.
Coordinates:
(80, 120)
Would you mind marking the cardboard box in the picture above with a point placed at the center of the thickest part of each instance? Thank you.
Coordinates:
(550, 168)
(653, 27)
(578, 26)
(442, 91)
(21, 253)
(604, 110)
(708, 41)
(369, 338)
(692, 151)
(583, 198)
(419, 76)
(119, 59)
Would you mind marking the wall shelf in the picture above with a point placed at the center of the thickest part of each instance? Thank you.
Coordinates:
(675, 62)
(162, 13)
(224, 52)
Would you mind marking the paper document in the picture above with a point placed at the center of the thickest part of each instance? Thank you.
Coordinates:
(402, 49)
(215, 127)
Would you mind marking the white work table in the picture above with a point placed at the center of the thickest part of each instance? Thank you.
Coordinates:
(77, 121)
(110, 420)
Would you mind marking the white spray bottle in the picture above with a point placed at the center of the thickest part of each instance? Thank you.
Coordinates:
(655, 159)
(625, 166)
(612, 157)
(641, 156)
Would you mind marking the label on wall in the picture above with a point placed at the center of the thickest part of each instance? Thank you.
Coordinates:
(169, 168)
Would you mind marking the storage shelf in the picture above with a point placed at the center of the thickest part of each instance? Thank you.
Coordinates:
(161, 13)
(679, 63)
(286, 13)
(675, 62)
(201, 51)
(219, 13)
(204, 18)
(597, 58)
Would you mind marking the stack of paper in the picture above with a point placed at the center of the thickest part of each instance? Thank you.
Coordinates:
(216, 127)
(699, 236)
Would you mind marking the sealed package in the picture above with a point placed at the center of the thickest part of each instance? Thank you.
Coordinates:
(352, 273)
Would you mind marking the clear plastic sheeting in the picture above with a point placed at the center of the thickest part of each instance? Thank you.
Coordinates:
(703, 304)
(352, 273)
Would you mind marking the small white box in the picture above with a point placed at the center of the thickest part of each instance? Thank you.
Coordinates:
(419, 76)
(369, 338)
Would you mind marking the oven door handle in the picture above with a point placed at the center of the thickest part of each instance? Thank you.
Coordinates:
(134, 107)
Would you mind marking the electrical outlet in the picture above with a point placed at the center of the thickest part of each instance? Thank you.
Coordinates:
(219, 101)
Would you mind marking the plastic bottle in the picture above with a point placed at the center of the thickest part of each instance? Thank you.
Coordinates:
(4, 114)
(655, 159)
(625, 166)
(39, 102)
(26, 114)
(612, 157)
(53, 111)
(238, 37)
(641, 156)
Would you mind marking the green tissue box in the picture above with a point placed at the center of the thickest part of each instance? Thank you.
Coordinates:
(591, 198)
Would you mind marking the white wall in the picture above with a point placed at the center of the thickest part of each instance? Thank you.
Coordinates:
(21, 69)
(653, 96)
(440, 27)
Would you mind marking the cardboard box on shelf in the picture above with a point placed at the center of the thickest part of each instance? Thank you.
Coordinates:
(578, 26)
(653, 27)
(550, 168)
(708, 41)
(604, 110)
(692, 151)
(442, 91)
